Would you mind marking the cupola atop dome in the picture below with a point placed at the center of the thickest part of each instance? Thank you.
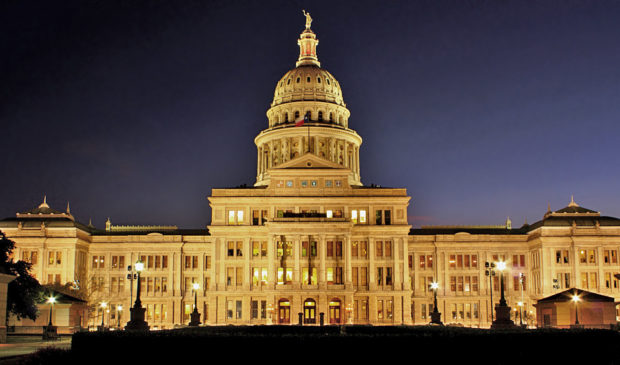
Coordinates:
(307, 45)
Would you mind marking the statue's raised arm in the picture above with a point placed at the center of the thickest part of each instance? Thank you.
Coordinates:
(308, 19)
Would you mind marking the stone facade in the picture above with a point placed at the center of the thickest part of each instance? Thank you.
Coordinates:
(309, 242)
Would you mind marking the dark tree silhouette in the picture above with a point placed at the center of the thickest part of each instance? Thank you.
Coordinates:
(25, 291)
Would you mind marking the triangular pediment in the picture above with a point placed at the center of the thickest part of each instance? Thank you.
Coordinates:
(308, 161)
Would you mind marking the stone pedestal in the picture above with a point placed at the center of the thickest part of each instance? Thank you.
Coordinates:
(502, 318)
(436, 318)
(50, 333)
(137, 322)
(194, 318)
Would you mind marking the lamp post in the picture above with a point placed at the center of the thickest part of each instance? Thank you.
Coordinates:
(51, 301)
(195, 316)
(137, 322)
(501, 266)
(103, 306)
(49, 331)
(349, 310)
(520, 304)
(490, 272)
(119, 308)
(521, 281)
(576, 300)
(435, 315)
(502, 310)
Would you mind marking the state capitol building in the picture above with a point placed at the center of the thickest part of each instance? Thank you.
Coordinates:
(310, 242)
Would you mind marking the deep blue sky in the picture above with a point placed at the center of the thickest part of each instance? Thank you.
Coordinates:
(481, 109)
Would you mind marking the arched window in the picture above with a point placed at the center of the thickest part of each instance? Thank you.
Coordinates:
(298, 79)
(296, 114)
(328, 82)
(288, 82)
(308, 79)
(320, 116)
(318, 79)
(309, 311)
(331, 117)
(285, 117)
(308, 114)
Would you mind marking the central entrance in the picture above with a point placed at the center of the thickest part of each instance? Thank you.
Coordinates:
(309, 311)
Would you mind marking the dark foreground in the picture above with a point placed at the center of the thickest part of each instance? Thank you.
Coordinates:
(316, 345)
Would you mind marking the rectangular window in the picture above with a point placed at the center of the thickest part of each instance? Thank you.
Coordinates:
(164, 262)
(353, 216)
(388, 276)
(474, 261)
(379, 276)
(362, 219)
(354, 249)
(388, 248)
(378, 217)
(330, 248)
(363, 276)
(338, 248)
(452, 261)
(422, 262)
(378, 248)
(363, 249)
(239, 308)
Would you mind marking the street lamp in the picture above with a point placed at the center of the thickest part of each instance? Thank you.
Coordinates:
(501, 266)
(520, 304)
(490, 272)
(576, 300)
(195, 316)
(51, 301)
(103, 306)
(137, 322)
(349, 310)
(119, 308)
(502, 310)
(435, 315)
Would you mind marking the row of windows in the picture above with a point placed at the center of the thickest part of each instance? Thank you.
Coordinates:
(357, 216)
(587, 257)
(333, 275)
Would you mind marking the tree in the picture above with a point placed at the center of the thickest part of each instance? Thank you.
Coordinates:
(25, 291)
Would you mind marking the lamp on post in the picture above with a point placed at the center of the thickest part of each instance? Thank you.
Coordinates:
(119, 309)
(136, 321)
(502, 310)
(435, 315)
(576, 300)
(50, 331)
(195, 316)
(51, 301)
(270, 313)
(349, 310)
(490, 272)
(103, 306)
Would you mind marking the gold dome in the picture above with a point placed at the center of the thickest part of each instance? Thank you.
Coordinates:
(308, 83)
(308, 90)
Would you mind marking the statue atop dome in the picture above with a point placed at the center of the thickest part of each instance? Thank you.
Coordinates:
(308, 19)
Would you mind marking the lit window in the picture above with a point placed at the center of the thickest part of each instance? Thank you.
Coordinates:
(330, 213)
(289, 183)
(328, 183)
(354, 216)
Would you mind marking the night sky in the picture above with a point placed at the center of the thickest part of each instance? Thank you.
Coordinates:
(135, 110)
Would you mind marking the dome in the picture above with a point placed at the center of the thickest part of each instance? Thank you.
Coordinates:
(308, 91)
(308, 83)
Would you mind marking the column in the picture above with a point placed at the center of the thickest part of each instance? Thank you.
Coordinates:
(348, 276)
(221, 262)
(396, 271)
(272, 257)
(372, 281)
(297, 255)
(322, 254)
(247, 270)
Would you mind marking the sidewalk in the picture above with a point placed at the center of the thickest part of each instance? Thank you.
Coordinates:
(22, 345)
